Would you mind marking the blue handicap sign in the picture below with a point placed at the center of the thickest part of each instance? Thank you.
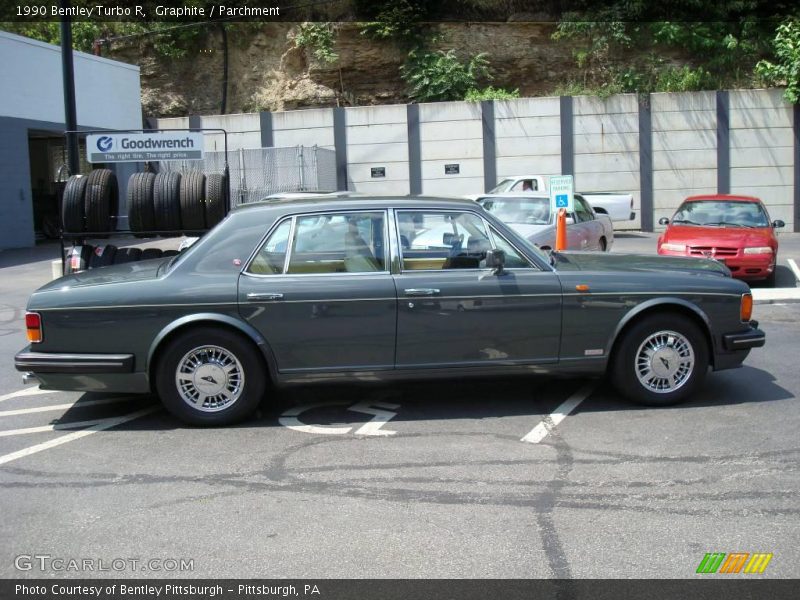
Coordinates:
(562, 201)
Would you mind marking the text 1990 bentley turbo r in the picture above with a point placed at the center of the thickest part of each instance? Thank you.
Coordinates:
(301, 290)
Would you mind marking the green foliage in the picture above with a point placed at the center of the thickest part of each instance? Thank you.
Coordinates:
(395, 20)
(786, 70)
(164, 38)
(621, 47)
(319, 39)
(440, 76)
(490, 93)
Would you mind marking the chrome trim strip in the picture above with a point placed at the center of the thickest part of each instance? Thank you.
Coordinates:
(46, 362)
(108, 307)
(276, 276)
(667, 294)
(289, 245)
(571, 294)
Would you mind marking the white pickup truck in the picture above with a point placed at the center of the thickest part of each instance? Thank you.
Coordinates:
(618, 207)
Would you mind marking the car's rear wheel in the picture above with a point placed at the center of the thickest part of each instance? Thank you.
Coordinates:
(660, 360)
(603, 244)
(211, 377)
(770, 280)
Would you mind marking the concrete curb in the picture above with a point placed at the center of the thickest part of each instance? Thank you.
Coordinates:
(776, 295)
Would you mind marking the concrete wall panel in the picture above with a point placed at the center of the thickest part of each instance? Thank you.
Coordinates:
(529, 165)
(527, 107)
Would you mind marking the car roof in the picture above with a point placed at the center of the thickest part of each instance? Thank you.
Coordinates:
(518, 195)
(356, 202)
(722, 197)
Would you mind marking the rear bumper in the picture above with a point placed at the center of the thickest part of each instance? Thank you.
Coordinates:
(74, 364)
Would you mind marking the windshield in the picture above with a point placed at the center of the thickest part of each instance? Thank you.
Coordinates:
(502, 186)
(721, 213)
(531, 211)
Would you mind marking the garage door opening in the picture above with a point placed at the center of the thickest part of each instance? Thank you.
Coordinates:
(48, 159)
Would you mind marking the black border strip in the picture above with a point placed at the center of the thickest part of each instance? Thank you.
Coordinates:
(265, 122)
(723, 142)
(414, 150)
(647, 205)
(340, 143)
(567, 141)
(489, 145)
(796, 127)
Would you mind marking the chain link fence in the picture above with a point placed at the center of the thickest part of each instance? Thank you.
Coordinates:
(255, 173)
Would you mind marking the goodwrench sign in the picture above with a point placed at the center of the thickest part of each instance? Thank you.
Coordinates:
(140, 147)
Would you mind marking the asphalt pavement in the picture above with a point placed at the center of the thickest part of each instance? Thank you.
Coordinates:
(455, 478)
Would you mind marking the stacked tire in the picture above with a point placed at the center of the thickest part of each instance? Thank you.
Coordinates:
(172, 202)
(90, 202)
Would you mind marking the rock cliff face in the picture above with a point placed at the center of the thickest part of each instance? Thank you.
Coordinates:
(267, 72)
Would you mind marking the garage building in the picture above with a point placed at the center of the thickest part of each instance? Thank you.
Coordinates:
(32, 124)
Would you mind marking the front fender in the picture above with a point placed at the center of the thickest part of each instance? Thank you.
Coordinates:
(665, 302)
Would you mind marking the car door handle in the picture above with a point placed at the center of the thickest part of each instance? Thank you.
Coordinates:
(255, 297)
(421, 292)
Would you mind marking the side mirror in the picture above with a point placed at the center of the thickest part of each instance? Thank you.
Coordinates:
(663, 221)
(777, 223)
(495, 260)
(570, 220)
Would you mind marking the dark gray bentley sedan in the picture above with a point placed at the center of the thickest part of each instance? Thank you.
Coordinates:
(301, 290)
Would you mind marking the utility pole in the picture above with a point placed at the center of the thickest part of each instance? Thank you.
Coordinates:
(68, 75)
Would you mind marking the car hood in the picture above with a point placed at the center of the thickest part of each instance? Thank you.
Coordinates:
(133, 271)
(603, 261)
(735, 237)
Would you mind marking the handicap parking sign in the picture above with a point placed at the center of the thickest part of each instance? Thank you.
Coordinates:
(562, 191)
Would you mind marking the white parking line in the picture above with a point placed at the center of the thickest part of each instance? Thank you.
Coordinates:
(52, 427)
(76, 435)
(31, 391)
(538, 433)
(795, 269)
(78, 404)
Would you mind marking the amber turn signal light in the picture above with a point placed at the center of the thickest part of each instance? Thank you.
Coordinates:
(746, 310)
(33, 325)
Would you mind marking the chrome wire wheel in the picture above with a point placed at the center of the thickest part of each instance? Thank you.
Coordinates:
(665, 361)
(209, 378)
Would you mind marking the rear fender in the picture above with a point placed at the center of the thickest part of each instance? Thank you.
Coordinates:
(200, 319)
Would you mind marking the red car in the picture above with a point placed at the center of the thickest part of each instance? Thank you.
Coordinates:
(732, 229)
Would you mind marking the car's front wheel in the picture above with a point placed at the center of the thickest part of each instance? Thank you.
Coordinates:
(660, 360)
(211, 377)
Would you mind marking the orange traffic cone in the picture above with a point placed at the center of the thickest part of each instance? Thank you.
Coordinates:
(561, 229)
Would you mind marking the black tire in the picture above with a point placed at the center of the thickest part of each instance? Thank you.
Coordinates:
(229, 348)
(78, 258)
(682, 339)
(141, 215)
(73, 211)
(151, 253)
(167, 253)
(126, 255)
(101, 201)
(103, 256)
(167, 201)
(216, 185)
(193, 199)
(770, 280)
(603, 244)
